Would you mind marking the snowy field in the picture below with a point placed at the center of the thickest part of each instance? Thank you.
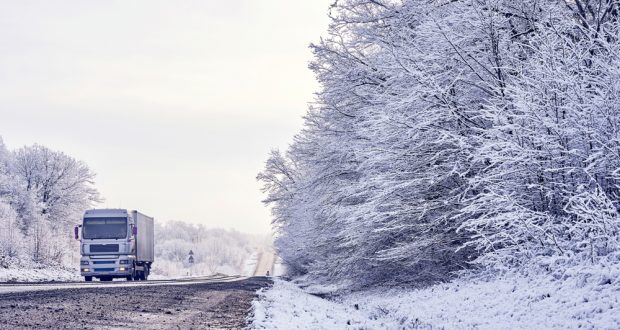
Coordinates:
(515, 302)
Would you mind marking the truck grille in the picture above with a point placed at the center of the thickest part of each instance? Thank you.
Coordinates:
(104, 269)
(104, 248)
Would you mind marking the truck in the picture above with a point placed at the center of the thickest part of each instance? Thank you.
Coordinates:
(115, 243)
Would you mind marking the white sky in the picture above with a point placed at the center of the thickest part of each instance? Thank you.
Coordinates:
(174, 104)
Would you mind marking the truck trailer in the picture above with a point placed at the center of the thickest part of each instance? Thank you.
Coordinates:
(115, 243)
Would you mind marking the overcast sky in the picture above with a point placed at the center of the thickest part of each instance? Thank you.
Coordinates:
(174, 104)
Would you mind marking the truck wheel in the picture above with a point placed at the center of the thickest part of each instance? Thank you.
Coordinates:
(105, 279)
(88, 278)
(129, 278)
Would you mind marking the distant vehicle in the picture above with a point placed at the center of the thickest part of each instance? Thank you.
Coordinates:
(115, 243)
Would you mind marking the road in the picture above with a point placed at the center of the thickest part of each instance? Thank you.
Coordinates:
(265, 262)
(199, 303)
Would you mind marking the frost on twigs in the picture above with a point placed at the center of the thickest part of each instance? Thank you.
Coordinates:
(449, 135)
(43, 194)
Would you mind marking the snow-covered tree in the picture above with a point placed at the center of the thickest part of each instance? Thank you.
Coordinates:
(551, 152)
(43, 193)
(447, 132)
(61, 184)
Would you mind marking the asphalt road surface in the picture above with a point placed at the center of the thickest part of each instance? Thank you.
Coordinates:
(198, 303)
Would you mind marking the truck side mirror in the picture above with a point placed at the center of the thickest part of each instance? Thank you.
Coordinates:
(134, 231)
(76, 232)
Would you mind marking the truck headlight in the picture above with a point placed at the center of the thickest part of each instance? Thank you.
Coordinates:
(123, 262)
(85, 269)
(122, 269)
(83, 262)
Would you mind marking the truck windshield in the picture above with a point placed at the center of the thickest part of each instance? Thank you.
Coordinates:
(105, 228)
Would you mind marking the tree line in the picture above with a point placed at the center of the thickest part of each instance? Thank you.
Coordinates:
(215, 250)
(451, 135)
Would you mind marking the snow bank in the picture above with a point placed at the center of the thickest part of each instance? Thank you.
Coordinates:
(512, 302)
(47, 274)
(286, 306)
(24, 270)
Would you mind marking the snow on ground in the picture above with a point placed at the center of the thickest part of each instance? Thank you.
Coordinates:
(514, 302)
(286, 306)
(279, 268)
(46, 274)
(24, 270)
(158, 277)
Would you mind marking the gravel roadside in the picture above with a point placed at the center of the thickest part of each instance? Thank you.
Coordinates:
(219, 305)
